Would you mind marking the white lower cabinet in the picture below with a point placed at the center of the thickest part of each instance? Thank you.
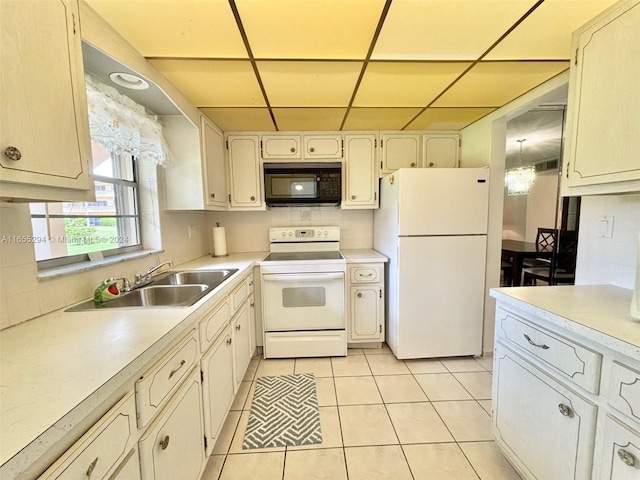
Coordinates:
(621, 452)
(366, 303)
(173, 446)
(241, 344)
(217, 386)
(547, 428)
(129, 469)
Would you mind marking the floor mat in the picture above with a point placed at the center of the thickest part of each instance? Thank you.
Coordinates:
(284, 412)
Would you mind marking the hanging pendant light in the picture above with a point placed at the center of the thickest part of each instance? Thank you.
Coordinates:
(519, 180)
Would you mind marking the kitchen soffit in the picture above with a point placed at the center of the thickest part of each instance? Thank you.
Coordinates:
(228, 55)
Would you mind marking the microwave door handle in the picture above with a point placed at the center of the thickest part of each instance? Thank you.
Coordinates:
(317, 277)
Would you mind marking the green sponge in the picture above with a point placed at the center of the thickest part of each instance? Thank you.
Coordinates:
(107, 290)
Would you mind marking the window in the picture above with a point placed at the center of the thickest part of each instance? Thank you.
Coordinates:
(67, 232)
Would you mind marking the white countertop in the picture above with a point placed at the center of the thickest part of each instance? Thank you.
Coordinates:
(363, 255)
(598, 312)
(59, 367)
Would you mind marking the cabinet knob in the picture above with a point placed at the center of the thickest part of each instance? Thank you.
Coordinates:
(293, 150)
(359, 294)
(353, 197)
(312, 149)
(626, 457)
(238, 327)
(164, 443)
(253, 199)
(431, 164)
(12, 153)
(413, 164)
(565, 410)
(213, 195)
(93, 464)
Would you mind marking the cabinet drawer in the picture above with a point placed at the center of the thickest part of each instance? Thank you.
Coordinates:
(102, 448)
(365, 274)
(238, 295)
(624, 390)
(621, 452)
(213, 324)
(574, 362)
(154, 387)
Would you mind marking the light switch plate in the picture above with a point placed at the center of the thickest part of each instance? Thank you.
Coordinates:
(606, 226)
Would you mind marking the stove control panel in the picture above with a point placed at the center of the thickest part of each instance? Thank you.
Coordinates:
(304, 234)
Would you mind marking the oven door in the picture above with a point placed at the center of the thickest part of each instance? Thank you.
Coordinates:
(303, 301)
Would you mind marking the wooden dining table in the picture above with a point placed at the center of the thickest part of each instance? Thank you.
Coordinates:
(516, 251)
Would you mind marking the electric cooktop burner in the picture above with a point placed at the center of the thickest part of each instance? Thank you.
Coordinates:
(280, 256)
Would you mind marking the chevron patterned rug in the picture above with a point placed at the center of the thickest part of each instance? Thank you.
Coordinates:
(284, 412)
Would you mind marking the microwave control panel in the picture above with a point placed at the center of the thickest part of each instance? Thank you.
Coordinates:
(330, 185)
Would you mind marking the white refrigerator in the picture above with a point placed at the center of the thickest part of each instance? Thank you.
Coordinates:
(432, 225)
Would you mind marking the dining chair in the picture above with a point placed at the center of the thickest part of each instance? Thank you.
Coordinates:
(545, 241)
(562, 267)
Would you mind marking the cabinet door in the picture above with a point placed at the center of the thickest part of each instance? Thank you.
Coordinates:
(244, 172)
(440, 151)
(399, 151)
(173, 446)
(217, 386)
(42, 96)
(365, 313)
(621, 452)
(129, 469)
(361, 172)
(241, 345)
(281, 146)
(322, 146)
(603, 142)
(213, 158)
(544, 428)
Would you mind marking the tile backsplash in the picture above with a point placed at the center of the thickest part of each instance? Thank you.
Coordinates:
(608, 260)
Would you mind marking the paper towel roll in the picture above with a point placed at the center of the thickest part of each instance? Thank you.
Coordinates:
(219, 242)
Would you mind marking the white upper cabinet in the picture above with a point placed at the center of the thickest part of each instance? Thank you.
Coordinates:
(360, 171)
(281, 146)
(603, 124)
(245, 177)
(213, 155)
(440, 151)
(322, 146)
(45, 149)
(399, 150)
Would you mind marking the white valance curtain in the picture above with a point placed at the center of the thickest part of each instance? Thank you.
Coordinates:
(123, 126)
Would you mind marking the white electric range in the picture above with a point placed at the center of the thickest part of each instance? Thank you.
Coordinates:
(303, 292)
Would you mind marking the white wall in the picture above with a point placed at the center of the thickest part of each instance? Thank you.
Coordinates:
(608, 260)
(483, 143)
(248, 231)
(541, 204)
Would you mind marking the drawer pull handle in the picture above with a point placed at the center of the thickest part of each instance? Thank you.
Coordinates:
(173, 372)
(626, 457)
(565, 410)
(92, 466)
(531, 342)
(238, 327)
(164, 443)
(367, 275)
(228, 341)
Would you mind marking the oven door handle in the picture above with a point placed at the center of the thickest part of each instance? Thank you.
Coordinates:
(288, 277)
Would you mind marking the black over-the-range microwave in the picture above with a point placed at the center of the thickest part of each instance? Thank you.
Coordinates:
(296, 184)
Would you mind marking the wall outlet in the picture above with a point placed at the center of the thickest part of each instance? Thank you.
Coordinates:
(606, 226)
(191, 230)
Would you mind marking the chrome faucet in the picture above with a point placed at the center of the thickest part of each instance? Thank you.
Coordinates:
(157, 267)
(126, 286)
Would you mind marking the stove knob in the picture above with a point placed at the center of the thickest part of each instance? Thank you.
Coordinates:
(283, 234)
(290, 233)
(326, 233)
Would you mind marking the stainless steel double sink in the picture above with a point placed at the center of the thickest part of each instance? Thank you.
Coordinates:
(172, 289)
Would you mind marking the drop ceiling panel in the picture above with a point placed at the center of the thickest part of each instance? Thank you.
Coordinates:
(447, 118)
(309, 84)
(493, 84)
(379, 118)
(309, 118)
(546, 33)
(405, 84)
(306, 29)
(240, 119)
(213, 83)
(175, 28)
(445, 29)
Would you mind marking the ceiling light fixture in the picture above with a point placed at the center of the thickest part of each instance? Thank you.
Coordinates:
(128, 80)
(519, 180)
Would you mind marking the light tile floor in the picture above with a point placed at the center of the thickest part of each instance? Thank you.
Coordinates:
(381, 418)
